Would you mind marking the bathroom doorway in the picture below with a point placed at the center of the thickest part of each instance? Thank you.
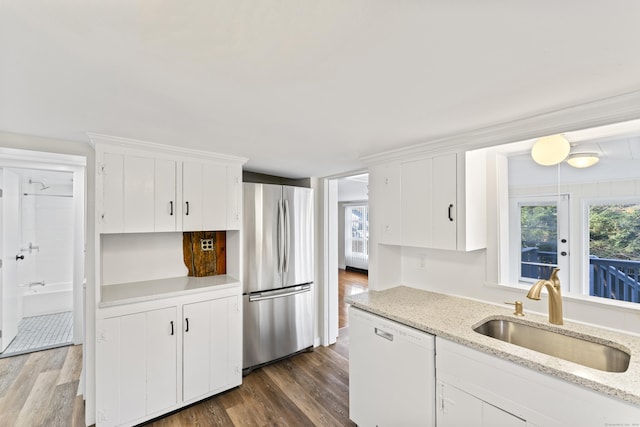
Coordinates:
(42, 224)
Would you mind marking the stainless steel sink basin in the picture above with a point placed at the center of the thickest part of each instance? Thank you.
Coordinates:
(577, 350)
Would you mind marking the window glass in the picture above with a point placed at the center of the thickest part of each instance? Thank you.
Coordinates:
(539, 237)
(614, 251)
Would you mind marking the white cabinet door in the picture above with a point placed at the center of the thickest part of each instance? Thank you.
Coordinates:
(444, 202)
(417, 203)
(214, 197)
(196, 349)
(385, 183)
(496, 417)
(136, 366)
(204, 196)
(162, 374)
(458, 408)
(166, 209)
(211, 347)
(139, 177)
(234, 197)
(192, 182)
(111, 217)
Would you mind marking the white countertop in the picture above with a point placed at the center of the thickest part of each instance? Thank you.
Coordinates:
(454, 318)
(148, 290)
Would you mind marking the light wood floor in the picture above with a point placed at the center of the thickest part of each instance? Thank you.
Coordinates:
(308, 389)
(349, 283)
(39, 389)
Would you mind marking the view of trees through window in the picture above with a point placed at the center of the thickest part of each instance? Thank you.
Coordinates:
(614, 251)
(614, 231)
(539, 228)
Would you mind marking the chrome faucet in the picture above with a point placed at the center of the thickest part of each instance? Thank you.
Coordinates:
(555, 297)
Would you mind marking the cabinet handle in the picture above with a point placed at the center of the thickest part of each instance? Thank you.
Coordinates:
(187, 208)
(186, 319)
(171, 207)
(171, 327)
(450, 208)
(383, 334)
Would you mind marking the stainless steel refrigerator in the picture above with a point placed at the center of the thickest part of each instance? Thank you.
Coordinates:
(278, 272)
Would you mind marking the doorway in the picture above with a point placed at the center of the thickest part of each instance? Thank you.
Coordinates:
(42, 224)
(353, 240)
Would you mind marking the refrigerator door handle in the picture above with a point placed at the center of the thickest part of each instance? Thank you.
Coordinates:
(280, 237)
(287, 231)
(261, 296)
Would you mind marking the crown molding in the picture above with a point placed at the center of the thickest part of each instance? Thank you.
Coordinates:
(172, 150)
(606, 111)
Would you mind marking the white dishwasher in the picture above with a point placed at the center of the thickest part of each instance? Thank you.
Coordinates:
(391, 373)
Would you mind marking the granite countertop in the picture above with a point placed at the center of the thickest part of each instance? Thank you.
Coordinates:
(148, 290)
(454, 318)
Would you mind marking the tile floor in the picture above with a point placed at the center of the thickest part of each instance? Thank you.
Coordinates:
(42, 332)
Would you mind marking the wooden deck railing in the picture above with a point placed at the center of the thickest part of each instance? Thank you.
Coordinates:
(615, 279)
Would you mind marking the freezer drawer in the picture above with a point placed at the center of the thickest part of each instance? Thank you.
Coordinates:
(277, 323)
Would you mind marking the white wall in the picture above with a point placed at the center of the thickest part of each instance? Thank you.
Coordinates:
(47, 222)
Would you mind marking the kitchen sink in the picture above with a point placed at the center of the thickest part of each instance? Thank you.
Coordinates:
(577, 350)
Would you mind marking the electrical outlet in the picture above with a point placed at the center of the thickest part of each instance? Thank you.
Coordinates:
(206, 244)
(423, 262)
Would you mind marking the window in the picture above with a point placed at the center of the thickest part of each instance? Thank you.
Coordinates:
(357, 236)
(614, 249)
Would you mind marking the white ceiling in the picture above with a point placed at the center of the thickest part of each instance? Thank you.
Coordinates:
(301, 87)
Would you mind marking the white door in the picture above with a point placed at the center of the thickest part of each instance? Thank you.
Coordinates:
(10, 293)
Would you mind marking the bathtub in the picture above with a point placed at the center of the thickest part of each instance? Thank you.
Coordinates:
(48, 299)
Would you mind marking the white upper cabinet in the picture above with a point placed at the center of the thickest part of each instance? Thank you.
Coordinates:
(152, 190)
(435, 202)
(417, 203)
(165, 197)
(385, 197)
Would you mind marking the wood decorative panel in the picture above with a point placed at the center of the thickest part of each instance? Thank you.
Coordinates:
(201, 262)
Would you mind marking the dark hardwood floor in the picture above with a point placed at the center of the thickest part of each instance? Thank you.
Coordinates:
(39, 389)
(309, 389)
(349, 283)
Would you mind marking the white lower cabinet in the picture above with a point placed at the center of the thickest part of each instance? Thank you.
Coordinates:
(152, 361)
(137, 366)
(212, 331)
(391, 373)
(477, 389)
(457, 408)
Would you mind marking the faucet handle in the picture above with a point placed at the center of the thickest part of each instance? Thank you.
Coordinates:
(518, 311)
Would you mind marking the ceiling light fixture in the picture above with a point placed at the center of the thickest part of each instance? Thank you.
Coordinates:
(550, 150)
(583, 160)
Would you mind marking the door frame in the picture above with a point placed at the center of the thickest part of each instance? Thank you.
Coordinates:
(27, 159)
(328, 245)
